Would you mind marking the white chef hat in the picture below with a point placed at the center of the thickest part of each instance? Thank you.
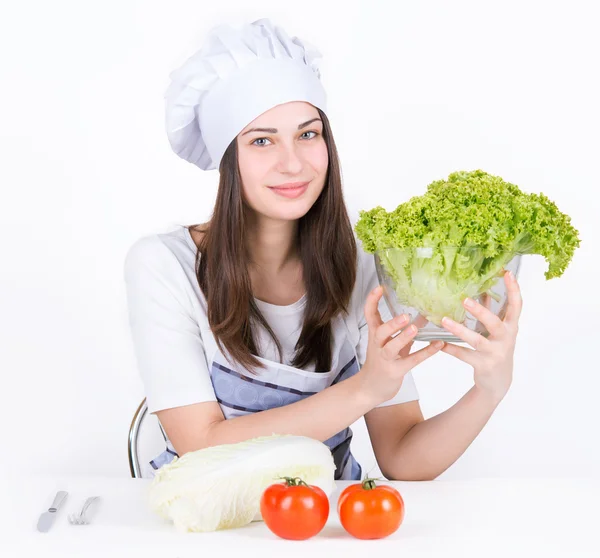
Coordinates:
(237, 75)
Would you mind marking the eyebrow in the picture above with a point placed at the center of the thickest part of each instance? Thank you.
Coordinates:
(274, 130)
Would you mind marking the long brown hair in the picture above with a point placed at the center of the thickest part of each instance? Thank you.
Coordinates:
(328, 253)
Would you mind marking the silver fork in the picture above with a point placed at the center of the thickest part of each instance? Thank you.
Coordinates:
(80, 518)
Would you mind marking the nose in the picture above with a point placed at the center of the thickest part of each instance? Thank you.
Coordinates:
(289, 161)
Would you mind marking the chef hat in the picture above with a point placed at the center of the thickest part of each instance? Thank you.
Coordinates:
(237, 75)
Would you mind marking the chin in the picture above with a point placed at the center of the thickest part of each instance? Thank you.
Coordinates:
(291, 213)
(286, 210)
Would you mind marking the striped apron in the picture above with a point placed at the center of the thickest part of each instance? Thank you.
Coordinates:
(240, 393)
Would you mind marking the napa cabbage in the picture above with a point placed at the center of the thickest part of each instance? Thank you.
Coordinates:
(220, 487)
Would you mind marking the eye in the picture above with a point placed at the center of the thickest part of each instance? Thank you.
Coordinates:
(258, 139)
(266, 139)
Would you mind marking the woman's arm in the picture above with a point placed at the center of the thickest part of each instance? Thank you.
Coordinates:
(319, 416)
(431, 446)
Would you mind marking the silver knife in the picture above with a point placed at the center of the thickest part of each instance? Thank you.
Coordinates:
(47, 518)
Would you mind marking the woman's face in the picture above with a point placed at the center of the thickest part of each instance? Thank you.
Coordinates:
(288, 148)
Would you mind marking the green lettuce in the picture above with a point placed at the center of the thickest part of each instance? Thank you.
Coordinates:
(457, 238)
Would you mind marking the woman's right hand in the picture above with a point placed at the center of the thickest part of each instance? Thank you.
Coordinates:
(388, 359)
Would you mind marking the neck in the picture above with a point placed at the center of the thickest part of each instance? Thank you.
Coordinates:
(271, 245)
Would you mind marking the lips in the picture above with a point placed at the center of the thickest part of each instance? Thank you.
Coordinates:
(291, 192)
(289, 185)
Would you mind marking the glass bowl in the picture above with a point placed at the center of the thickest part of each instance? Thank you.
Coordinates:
(412, 286)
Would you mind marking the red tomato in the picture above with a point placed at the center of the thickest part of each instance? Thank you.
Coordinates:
(293, 509)
(367, 511)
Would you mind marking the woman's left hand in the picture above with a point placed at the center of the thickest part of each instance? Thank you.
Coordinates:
(491, 357)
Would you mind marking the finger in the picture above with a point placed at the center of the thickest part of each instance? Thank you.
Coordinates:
(420, 321)
(462, 353)
(492, 322)
(391, 350)
(471, 337)
(372, 314)
(486, 301)
(423, 354)
(515, 300)
(405, 351)
(385, 331)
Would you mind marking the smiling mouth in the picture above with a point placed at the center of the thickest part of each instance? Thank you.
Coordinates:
(290, 186)
(291, 193)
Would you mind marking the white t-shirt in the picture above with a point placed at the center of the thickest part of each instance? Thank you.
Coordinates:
(180, 363)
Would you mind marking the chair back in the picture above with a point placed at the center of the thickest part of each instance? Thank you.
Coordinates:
(147, 439)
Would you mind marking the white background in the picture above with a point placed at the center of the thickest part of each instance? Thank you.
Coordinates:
(416, 91)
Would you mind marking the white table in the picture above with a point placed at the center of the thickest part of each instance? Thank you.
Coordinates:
(481, 518)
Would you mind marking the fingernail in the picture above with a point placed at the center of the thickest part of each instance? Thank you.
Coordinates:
(511, 275)
(447, 321)
(438, 344)
(469, 302)
(412, 330)
(401, 319)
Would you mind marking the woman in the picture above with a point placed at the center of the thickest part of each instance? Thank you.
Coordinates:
(265, 319)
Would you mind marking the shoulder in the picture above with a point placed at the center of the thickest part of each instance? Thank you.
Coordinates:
(366, 280)
(144, 250)
(163, 254)
(147, 252)
(365, 263)
(366, 275)
(357, 298)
